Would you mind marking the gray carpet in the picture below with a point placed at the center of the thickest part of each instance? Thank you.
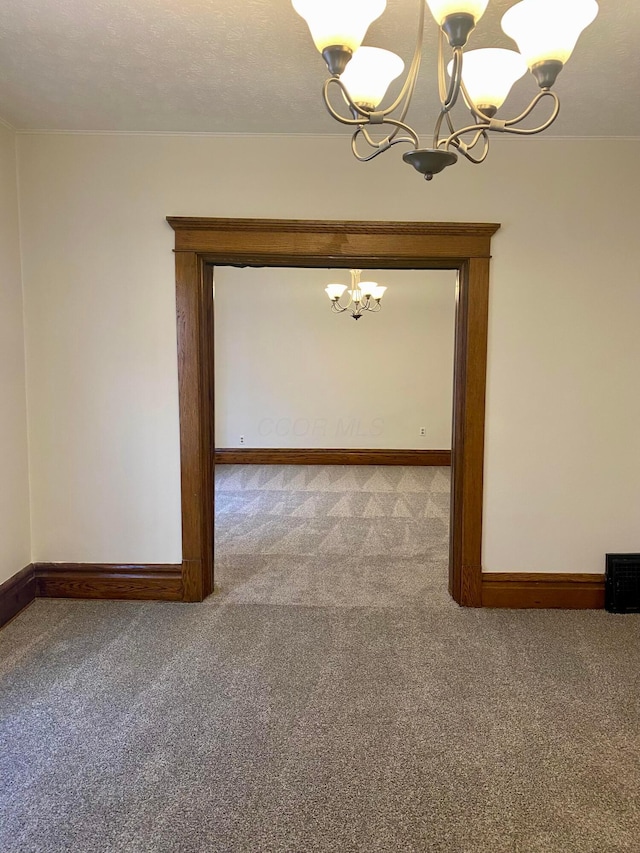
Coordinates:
(343, 536)
(330, 698)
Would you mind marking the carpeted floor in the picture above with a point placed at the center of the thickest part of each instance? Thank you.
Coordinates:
(330, 698)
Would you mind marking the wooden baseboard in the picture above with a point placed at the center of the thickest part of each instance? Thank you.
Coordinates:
(16, 594)
(565, 591)
(107, 581)
(287, 456)
(164, 583)
(145, 582)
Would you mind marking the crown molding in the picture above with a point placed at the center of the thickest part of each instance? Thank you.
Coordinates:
(472, 229)
(244, 135)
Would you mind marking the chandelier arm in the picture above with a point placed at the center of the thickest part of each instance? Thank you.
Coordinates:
(379, 150)
(366, 119)
(366, 158)
(407, 103)
(465, 148)
(499, 126)
(409, 85)
(506, 126)
(534, 103)
(449, 94)
(442, 77)
(456, 80)
(480, 127)
(448, 97)
(481, 131)
(438, 127)
(456, 141)
(339, 307)
(365, 114)
(400, 125)
(442, 88)
(444, 114)
(385, 144)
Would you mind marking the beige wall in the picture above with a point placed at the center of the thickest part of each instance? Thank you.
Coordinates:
(15, 549)
(563, 446)
(289, 373)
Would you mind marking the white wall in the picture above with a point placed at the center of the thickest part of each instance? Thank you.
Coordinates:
(290, 373)
(563, 444)
(15, 549)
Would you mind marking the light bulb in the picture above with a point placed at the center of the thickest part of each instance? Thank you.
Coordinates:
(368, 75)
(548, 29)
(341, 23)
(489, 74)
(335, 291)
(441, 9)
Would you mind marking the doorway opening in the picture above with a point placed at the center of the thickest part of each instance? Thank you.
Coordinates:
(203, 243)
(333, 437)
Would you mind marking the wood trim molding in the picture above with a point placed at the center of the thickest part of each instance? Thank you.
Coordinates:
(329, 456)
(143, 582)
(164, 583)
(201, 243)
(300, 243)
(544, 590)
(108, 581)
(16, 593)
(195, 331)
(313, 226)
(467, 459)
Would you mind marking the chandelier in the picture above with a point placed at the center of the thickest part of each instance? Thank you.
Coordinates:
(363, 296)
(545, 31)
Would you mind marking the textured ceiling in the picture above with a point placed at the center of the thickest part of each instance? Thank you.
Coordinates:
(217, 66)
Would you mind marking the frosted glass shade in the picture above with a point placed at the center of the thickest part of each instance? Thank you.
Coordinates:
(441, 9)
(368, 75)
(378, 292)
(335, 291)
(339, 22)
(548, 29)
(367, 287)
(356, 295)
(489, 74)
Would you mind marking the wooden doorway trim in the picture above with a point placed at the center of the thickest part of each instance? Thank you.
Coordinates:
(201, 243)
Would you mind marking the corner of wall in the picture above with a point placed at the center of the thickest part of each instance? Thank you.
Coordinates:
(16, 551)
(24, 342)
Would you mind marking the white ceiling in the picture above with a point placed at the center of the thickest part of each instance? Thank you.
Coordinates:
(217, 66)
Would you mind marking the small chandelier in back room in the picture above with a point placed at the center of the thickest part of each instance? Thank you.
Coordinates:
(546, 32)
(363, 296)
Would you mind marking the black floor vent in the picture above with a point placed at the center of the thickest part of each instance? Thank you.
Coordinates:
(622, 583)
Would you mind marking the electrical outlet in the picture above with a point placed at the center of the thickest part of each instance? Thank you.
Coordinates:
(241, 439)
(423, 431)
